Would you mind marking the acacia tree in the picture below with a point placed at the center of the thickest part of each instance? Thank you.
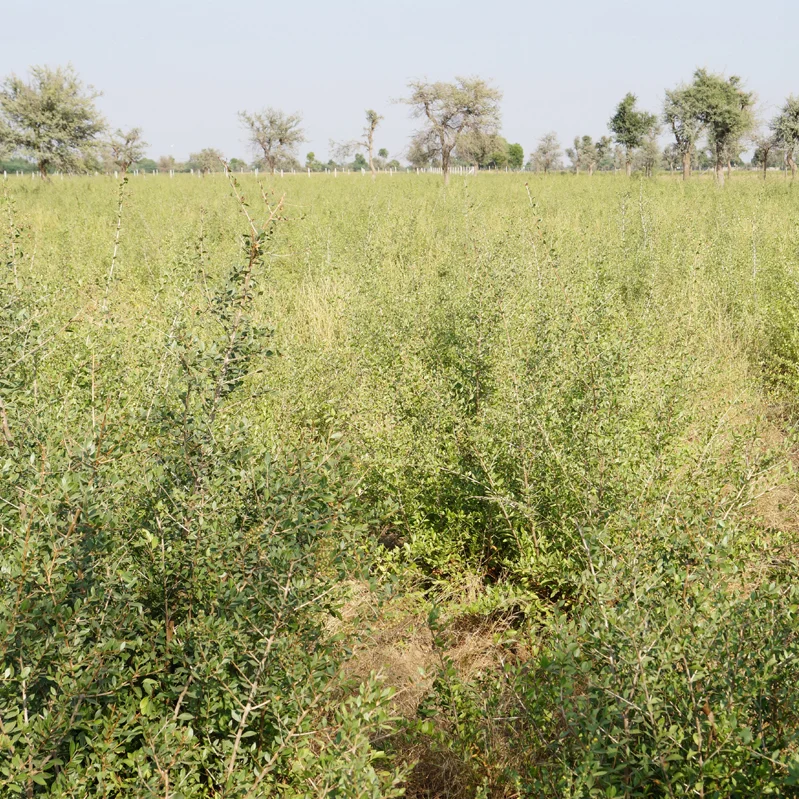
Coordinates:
(764, 147)
(166, 163)
(126, 148)
(681, 114)
(583, 155)
(373, 119)
(630, 126)
(340, 152)
(725, 109)
(785, 127)
(273, 134)
(449, 110)
(207, 160)
(547, 155)
(604, 152)
(51, 118)
(649, 154)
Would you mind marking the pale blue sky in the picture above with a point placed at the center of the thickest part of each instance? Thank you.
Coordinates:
(181, 69)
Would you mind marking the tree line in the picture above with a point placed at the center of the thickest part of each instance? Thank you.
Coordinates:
(51, 122)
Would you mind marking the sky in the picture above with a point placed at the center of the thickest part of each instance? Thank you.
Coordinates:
(182, 69)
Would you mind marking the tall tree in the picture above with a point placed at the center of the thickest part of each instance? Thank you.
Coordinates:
(765, 145)
(604, 153)
(207, 160)
(449, 110)
(681, 114)
(125, 148)
(786, 131)
(547, 154)
(515, 156)
(273, 134)
(648, 155)
(583, 155)
(725, 109)
(166, 163)
(51, 118)
(373, 119)
(630, 126)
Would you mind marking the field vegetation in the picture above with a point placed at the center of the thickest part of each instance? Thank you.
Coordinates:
(367, 488)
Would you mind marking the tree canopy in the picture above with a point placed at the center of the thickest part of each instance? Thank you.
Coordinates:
(207, 160)
(630, 126)
(681, 112)
(725, 109)
(51, 118)
(547, 155)
(126, 148)
(274, 135)
(449, 110)
(785, 127)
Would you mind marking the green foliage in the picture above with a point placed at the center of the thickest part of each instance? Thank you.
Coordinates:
(725, 109)
(584, 155)
(168, 576)
(17, 164)
(51, 119)
(671, 681)
(547, 155)
(207, 160)
(630, 126)
(274, 135)
(681, 112)
(468, 106)
(785, 129)
(126, 148)
(515, 156)
(555, 398)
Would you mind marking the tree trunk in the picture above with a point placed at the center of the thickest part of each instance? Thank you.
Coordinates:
(629, 167)
(445, 163)
(686, 165)
(591, 170)
(43, 170)
(791, 164)
(371, 158)
(765, 163)
(729, 168)
(720, 172)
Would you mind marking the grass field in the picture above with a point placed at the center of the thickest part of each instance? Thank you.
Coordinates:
(479, 491)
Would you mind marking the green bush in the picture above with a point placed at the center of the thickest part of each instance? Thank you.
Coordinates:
(673, 679)
(168, 578)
